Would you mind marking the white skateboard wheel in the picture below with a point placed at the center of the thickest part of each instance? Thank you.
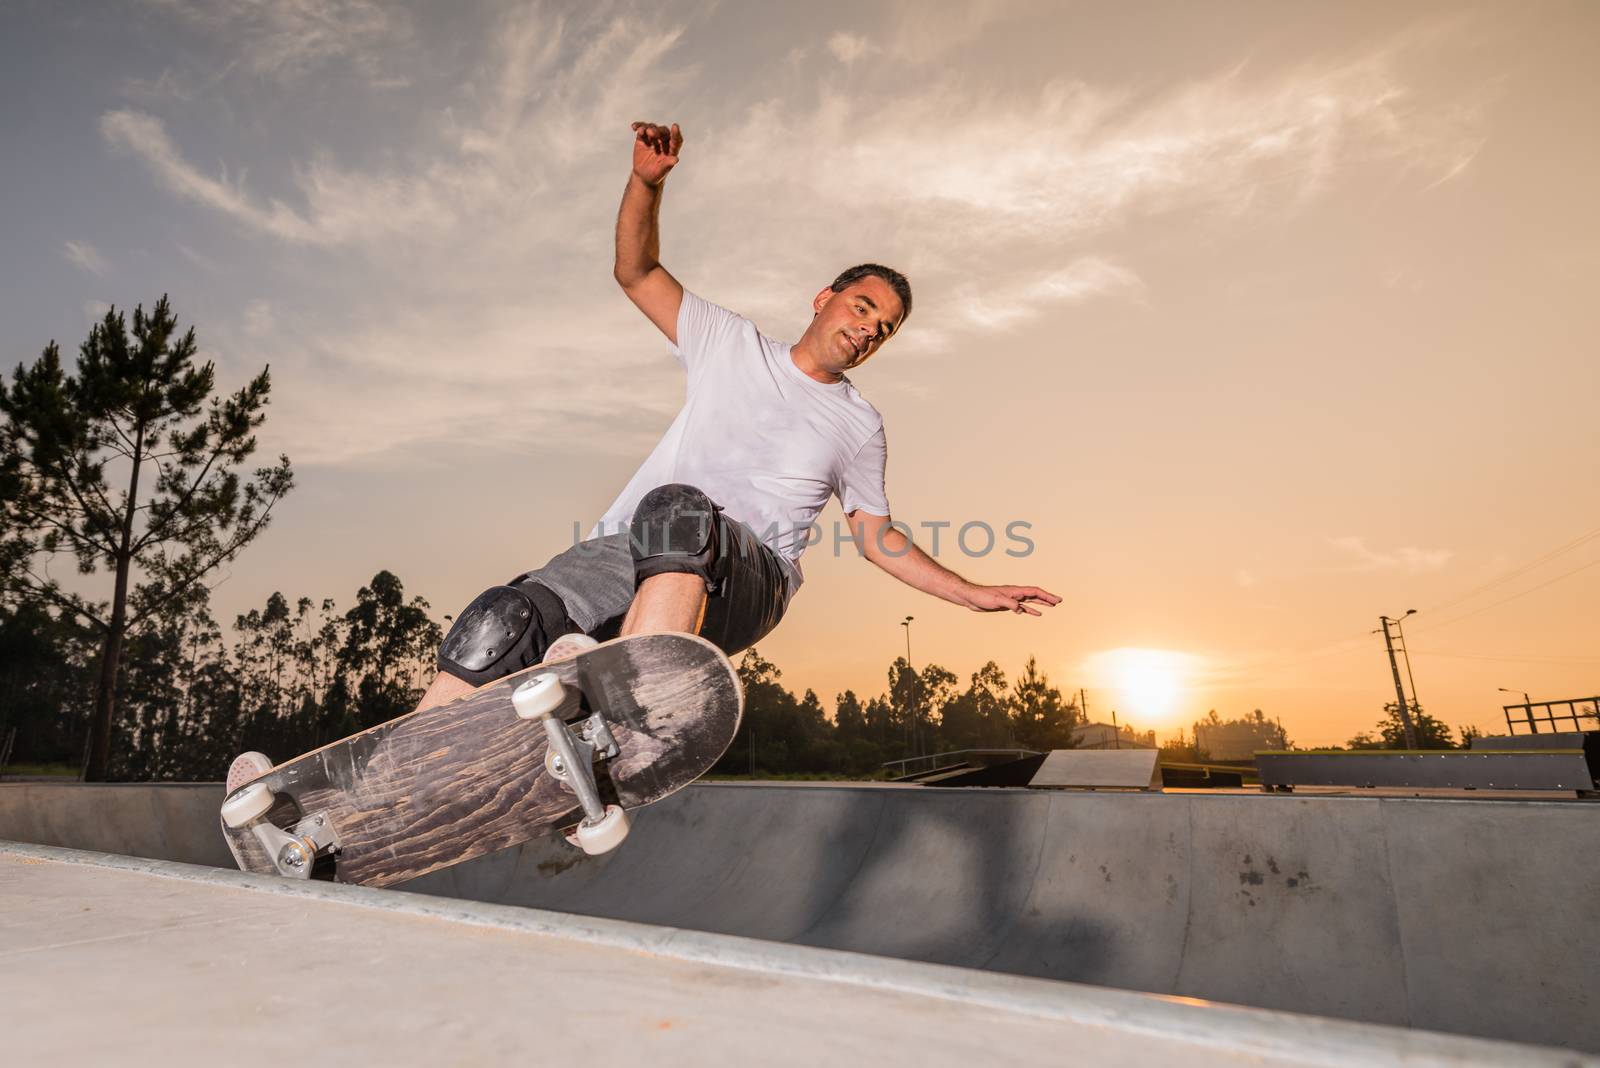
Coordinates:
(247, 805)
(539, 696)
(605, 834)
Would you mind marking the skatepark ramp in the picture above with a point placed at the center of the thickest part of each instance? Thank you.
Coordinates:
(1465, 916)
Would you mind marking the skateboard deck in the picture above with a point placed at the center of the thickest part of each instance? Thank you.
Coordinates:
(445, 784)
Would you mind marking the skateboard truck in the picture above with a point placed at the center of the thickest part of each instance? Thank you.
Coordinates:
(293, 853)
(570, 758)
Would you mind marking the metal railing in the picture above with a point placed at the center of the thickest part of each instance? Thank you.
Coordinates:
(1578, 710)
(953, 759)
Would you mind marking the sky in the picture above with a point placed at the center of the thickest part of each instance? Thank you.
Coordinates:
(1266, 319)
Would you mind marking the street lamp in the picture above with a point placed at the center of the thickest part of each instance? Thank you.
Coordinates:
(911, 696)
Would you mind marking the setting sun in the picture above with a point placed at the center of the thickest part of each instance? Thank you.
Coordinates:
(1145, 684)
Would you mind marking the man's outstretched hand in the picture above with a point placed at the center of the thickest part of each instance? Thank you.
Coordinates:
(1019, 599)
(655, 151)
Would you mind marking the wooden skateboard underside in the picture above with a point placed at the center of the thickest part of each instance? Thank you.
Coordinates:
(446, 784)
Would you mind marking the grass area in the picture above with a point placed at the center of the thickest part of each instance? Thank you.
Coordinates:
(66, 771)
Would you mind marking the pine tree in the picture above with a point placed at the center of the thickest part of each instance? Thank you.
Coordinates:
(129, 464)
(1041, 718)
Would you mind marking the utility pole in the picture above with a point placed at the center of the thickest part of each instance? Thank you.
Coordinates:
(1399, 688)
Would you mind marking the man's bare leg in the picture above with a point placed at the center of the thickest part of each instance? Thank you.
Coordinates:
(444, 688)
(668, 602)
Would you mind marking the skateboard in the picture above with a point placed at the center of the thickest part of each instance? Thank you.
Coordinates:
(575, 744)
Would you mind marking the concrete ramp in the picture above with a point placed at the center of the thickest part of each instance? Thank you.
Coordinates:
(1460, 916)
(1472, 917)
(242, 969)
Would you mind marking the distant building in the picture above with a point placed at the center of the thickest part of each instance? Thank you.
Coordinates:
(1238, 739)
(1106, 736)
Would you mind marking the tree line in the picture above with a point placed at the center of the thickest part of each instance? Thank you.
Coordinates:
(920, 713)
(1431, 733)
(293, 677)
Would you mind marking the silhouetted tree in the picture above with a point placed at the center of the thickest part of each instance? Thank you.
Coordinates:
(959, 725)
(905, 700)
(848, 718)
(764, 735)
(46, 683)
(129, 465)
(1431, 734)
(1040, 717)
(177, 697)
(989, 700)
(1235, 739)
(1182, 750)
(387, 652)
(882, 724)
(284, 664)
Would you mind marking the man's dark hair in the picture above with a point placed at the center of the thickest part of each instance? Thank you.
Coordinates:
(896, 280)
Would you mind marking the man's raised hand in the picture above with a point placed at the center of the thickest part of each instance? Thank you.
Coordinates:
(1009, 599)
(655, 151)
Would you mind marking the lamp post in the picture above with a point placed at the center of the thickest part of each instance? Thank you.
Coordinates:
(911, 695)
(1527, 707)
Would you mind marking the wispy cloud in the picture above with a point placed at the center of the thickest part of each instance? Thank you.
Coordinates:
(85, 257)
(1358, 556)
(165, 87)
(199, 259)
(509, 193)
(258, 318)
(285, 39)
(847, 48)
(919, 32)
(145, 136)
(952, 183)
(1081, 280)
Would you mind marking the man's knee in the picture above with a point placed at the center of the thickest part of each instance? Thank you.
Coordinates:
(674, 529)
(504, 629)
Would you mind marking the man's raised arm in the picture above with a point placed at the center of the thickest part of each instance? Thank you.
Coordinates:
(880, 542)
(638, 270)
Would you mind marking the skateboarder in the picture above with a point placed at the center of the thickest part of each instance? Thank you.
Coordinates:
(707, 536)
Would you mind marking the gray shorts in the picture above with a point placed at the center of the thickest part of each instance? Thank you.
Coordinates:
(595, 580)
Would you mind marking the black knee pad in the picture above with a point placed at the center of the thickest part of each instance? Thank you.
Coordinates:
(504, 629)
(674, 529)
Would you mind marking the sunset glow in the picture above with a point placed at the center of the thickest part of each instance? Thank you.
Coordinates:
(1147, 686)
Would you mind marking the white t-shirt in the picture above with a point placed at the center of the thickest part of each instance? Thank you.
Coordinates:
(761, 438)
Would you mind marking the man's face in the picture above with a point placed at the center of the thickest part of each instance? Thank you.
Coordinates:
(853, 324)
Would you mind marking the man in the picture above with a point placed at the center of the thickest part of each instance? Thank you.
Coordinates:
(706, 538)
